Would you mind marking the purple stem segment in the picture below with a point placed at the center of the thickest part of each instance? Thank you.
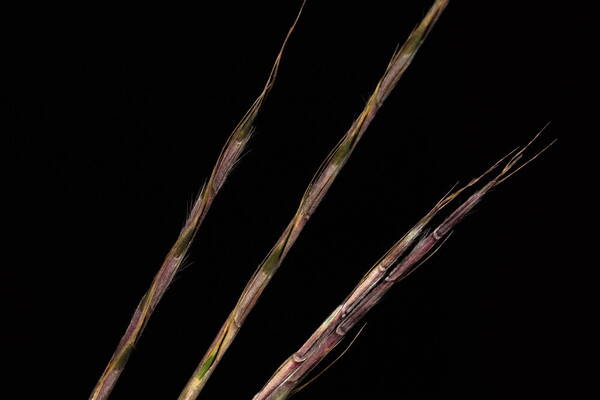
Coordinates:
(391, 268)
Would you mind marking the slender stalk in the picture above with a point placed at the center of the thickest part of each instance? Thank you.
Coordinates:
(230, 153)
(391, 268)
(313, 195)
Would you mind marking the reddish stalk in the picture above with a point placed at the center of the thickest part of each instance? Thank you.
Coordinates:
(233, 148)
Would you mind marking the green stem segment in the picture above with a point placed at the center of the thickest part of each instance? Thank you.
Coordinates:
(315, 192)
(233, 148)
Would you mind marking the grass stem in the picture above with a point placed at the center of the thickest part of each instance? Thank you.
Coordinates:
(313, 195)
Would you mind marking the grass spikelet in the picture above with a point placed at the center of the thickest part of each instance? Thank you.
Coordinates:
(230, 154)
(402, 258)
(313, 195)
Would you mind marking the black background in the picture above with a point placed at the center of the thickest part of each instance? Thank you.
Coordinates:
(117, 116)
